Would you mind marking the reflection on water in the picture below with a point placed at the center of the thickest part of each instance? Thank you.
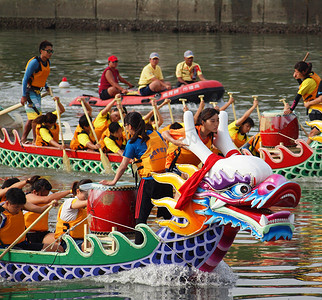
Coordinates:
(247, 64)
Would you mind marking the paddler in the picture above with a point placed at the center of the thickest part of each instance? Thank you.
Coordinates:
(35, 78)
(12, 223)
(109, 84)
(148, 149)
(72, 215)
(206, 127)
(113, 139)
(47, 129)
(310, 90)
(151, 79)
(238, 129)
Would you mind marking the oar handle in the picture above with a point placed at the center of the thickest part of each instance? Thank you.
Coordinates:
(283, 100)
(183, 102)
(9, 109)
(258, 113)
(170, 111)
(26, 231)
(120, 108)
(230, 94)
(214, 104)
(306, 56)
(155, 113)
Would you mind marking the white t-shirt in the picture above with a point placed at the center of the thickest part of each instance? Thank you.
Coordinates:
(67, 213)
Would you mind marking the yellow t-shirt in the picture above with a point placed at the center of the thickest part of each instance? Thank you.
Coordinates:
(238, 139)
(186, 72)
(111, 145)
(83, 139)
(44, 132)
(148, 73)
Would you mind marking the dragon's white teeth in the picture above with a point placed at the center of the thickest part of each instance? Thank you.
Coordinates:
(291, 219)
(218, 204)
(263, 221)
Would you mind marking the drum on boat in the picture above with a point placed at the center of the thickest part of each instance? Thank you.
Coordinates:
(111, 206)
(276, 128)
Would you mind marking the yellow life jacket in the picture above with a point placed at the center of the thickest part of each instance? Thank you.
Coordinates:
(63, 226)
(54, 132)
(153, 159)
(75, 144)
(30, 217)
(14, 226)
(312, 95)
(99, 130)
(121, 143)
(236, 138)
(39, 77)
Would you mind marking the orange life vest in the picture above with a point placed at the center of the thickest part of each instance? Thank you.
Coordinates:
(121, 143)
(99, 130)
(14, 226)
(39, 78)
(153, 159)
(42, 224)
(54, 132)
(63, 226)
(185, 156)
(312, 96)
(75, 144)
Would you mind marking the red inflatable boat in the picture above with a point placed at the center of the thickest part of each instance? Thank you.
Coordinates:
(212, 90)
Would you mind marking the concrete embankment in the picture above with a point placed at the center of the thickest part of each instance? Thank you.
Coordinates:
(276, 16)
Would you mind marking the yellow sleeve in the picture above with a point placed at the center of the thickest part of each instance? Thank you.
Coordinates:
(111, 145)
(307, 86)
(83, 139)
(45, 135)
(179, 69)
(100, 120)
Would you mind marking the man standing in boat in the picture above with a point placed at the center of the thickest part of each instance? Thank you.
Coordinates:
(151, 79)
(187, 71)
(109, 84)
(35, 78)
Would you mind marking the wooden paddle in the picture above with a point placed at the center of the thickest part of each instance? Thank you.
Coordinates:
(214, 104)
(66, 161)
(302, 127)
(183, 102)
(120, 108)
(10, 108)
(232, 105)
(306, 56)
(15, 242)
(155, 113)
(105, 162)
(170, 111)
(258, 113)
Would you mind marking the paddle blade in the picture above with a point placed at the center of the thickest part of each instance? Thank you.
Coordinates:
(106, 163)
(66, 162)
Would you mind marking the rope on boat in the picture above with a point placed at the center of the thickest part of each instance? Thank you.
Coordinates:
(109, 221)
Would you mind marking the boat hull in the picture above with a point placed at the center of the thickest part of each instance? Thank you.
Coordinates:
(212, 90)
(16, 155)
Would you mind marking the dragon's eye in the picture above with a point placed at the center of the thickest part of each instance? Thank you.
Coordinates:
(240, 189)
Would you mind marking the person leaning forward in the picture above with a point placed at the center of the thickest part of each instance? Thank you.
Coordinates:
(109, 84)
(35, 78)
(187, 71)
(151, 79)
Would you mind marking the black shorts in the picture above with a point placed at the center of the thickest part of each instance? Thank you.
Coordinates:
(104, 95)
(36, 237)
(315, 115)
(146, 91)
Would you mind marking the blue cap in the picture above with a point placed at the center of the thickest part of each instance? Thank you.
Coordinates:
(188, 53)
(154, 55)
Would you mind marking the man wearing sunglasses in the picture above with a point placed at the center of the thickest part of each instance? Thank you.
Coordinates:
(35, 78)
(109, 84)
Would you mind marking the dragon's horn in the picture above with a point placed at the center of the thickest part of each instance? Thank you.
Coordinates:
(223, 140)
(192, 139)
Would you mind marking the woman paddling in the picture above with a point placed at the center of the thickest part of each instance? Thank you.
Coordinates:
(310, 87)
(148, 150)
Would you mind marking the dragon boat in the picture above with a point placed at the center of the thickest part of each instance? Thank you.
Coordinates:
(232, 194)
(281, 148)
(15, 154)
(212, 90)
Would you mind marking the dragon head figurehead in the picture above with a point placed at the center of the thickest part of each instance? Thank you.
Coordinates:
(238, 191)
